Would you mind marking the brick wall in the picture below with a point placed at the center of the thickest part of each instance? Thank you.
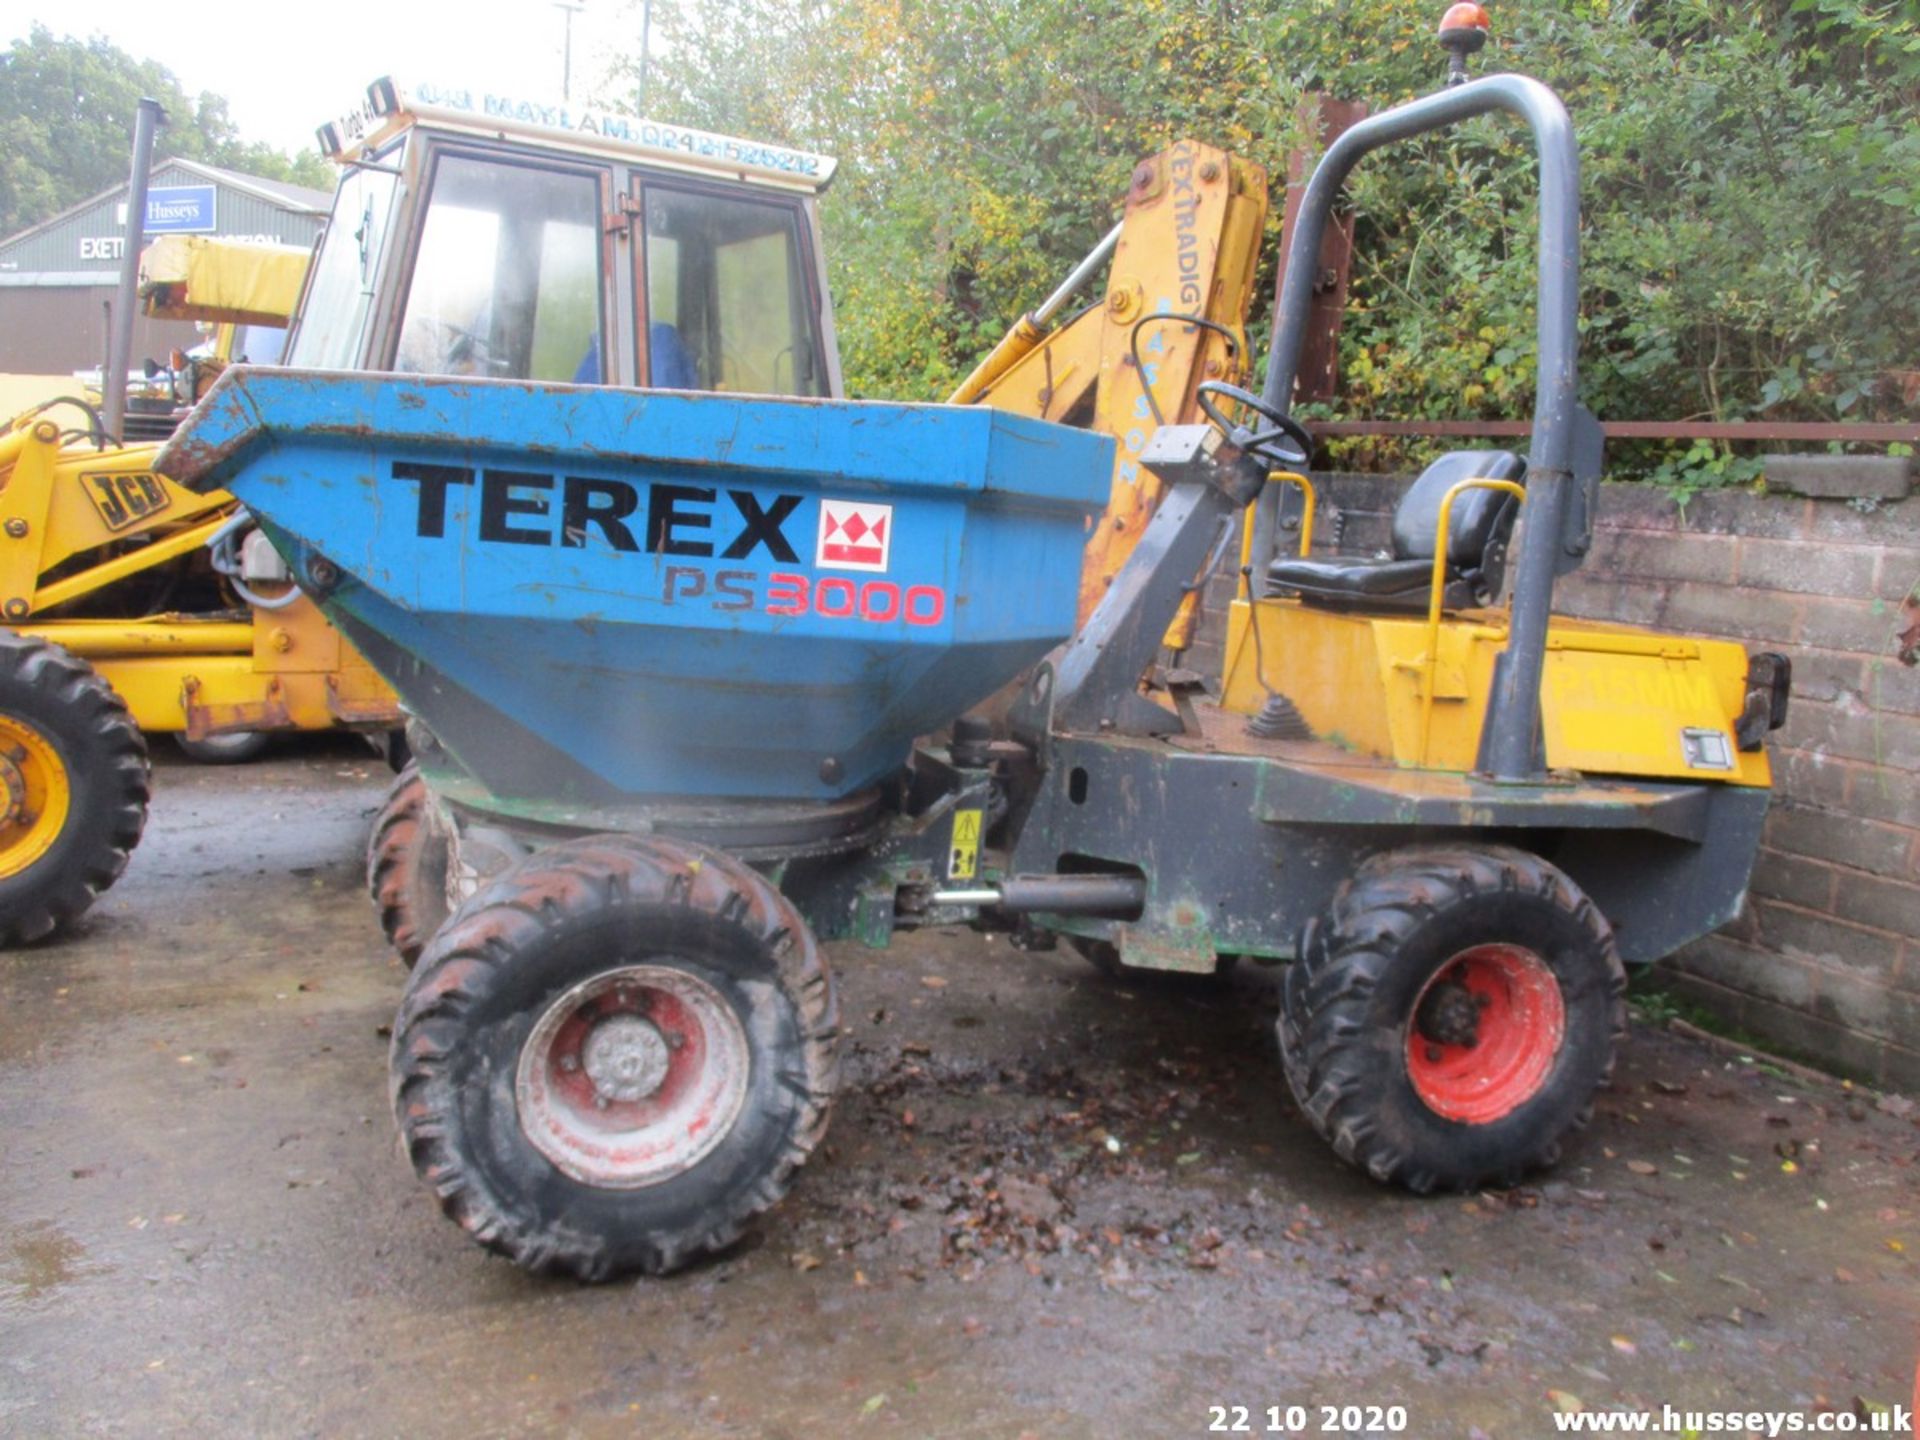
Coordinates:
(1826, 959)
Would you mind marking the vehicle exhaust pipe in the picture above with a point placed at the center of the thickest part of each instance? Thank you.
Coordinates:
(113, 383)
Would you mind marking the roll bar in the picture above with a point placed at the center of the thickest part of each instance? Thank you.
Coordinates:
(1510, 742)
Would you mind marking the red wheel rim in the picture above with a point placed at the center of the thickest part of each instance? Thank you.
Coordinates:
(633, 1076)
(1520, 1023)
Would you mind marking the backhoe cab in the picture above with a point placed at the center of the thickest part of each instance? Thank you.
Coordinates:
(477, 236)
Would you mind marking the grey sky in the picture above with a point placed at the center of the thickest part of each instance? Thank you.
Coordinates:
(284, 69)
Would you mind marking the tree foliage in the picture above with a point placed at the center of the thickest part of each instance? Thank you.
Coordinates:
(1751, 183)
(66, 126)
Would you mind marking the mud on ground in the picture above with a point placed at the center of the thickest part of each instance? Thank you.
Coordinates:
(1052, 1204)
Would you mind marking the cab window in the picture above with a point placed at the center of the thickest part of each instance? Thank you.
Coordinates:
(340, 282)
(728, 304)
(506, 283)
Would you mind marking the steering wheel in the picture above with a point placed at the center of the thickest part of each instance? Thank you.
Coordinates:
(467, 347)
(1262, 442)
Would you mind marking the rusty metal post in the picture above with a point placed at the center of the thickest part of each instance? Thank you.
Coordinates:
(1326, 120)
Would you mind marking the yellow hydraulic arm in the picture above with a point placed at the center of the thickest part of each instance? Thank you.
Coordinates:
(1186, 247)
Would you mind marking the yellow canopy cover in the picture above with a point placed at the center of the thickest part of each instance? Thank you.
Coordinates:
(200, 277)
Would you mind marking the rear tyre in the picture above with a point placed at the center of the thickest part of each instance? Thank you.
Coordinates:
(235, 749)
(407, 857)
(73, 787)
(614, 1056)
(1452, 1016)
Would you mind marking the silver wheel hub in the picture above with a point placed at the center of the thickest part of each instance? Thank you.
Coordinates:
(633, 1075)
(625, 1057)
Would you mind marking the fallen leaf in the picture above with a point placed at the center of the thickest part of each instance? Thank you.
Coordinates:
(804, 1262)
(932, 982)
(1625, 1346)
(874, 1402)
(1027, 1201)
(1643, 1167)
(1565, 1402)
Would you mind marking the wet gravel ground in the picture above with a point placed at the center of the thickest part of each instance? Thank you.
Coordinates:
(1052, 1204)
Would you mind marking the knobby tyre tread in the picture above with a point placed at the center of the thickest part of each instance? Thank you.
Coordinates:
(475, 969)
(104, 757)
(1342, 1039)
(407, 867)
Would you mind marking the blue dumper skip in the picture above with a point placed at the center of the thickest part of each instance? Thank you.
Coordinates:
(594, 594)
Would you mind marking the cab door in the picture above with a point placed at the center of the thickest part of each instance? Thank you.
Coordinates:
(513, 271)
(730, 292)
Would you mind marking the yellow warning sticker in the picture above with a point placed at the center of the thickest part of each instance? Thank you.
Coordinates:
(963, 860)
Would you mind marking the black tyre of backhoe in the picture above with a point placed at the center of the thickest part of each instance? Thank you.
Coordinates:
(494, 1056)
(240, 748)
(407, 858)
(1377, 1050)
(65, 739)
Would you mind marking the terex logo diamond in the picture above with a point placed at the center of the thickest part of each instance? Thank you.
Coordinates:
(854, 536)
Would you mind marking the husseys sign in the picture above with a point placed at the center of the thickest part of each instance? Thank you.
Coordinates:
(751, 530)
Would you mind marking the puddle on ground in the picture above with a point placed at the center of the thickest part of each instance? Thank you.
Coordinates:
(36, 1260)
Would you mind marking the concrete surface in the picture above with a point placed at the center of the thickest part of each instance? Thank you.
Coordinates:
(206, 1227)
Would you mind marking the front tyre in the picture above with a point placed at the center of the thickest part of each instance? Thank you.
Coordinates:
(407, 861)
(1452, 1016)
(74, 786)
(614, 1056)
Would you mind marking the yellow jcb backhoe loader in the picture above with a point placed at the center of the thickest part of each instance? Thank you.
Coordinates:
(131, 605)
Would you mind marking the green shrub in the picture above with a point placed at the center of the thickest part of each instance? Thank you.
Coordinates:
(1751, 186)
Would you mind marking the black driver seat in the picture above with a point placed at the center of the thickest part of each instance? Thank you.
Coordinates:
(1476, 545)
